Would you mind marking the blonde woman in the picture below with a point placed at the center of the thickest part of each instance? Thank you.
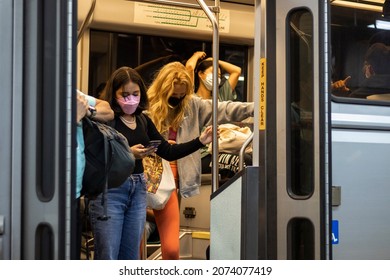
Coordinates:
(178, 115)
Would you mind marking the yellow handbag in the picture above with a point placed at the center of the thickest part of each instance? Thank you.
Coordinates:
(160, 182)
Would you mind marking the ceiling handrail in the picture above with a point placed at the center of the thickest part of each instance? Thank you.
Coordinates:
(86, 21)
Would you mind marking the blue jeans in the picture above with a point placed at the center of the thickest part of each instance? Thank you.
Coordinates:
(119, 237)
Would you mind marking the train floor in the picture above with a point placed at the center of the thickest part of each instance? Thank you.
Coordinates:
(193, 246)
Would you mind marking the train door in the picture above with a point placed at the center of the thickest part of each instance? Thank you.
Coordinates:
(36, 148)
(10, 57)
(293, 117)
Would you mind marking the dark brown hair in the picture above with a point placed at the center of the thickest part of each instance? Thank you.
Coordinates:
(118, 79)
(378, 56)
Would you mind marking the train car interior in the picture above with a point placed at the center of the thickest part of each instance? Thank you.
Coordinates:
(113, 45)
(122, 33)
(310, 180)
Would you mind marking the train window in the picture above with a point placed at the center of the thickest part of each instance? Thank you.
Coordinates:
(109, 51)
(300, 102)
(44, 242)
(354, 57)
(300, 239)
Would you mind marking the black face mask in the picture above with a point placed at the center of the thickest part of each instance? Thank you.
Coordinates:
(174, 101)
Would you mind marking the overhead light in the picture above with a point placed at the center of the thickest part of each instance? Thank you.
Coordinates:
(376, 6)
(380, 24)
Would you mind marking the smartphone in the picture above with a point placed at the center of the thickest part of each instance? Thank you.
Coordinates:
(154, 144)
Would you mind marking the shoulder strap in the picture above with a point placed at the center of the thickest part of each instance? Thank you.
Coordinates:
(112, 123)
(105, 217)
(106, 132)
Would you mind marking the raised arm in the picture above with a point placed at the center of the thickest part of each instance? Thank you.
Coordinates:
(191, 63)
(82, 107)
(104, 113)
(95, 108)
(234, 72)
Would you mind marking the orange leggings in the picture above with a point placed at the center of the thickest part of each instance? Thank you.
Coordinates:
(168, 224)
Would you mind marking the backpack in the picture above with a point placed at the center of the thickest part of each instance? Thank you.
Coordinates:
(108, 158)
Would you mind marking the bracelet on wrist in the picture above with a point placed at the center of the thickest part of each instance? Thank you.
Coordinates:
(92, 112)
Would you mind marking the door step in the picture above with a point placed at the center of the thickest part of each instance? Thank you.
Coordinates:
(193, 246)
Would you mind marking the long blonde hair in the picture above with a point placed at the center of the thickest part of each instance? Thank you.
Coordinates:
(161, 113)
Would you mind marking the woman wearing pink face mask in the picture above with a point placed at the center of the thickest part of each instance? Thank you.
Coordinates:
(119, 237)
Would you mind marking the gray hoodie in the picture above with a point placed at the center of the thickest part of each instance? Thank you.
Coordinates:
(200, 115)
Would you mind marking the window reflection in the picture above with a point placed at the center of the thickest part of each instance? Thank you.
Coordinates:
(354, 33)
(300, 103)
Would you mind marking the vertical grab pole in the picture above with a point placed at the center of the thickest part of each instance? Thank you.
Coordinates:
(215, 54)
(86, 21)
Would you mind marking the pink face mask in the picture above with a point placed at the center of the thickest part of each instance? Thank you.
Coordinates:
(129, 103)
